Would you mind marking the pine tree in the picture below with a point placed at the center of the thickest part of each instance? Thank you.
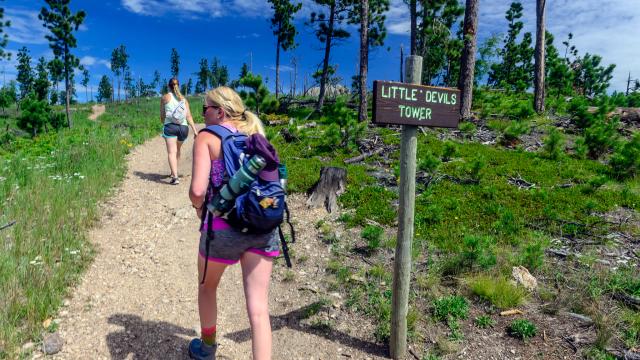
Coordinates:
(214, 73)
(41, 83)
(539, 83)
(119, 60)
(439, 49)
(590, 77)
(203, 76)
(189, 87)
(283, 29)
(155, 83)
(175, 63)
(328, 31)
(515, 72)
(468, 60)
(4, 38)
(370, 14)
(105, 90)
(25, 72)
(62, 22)
(56, 69)
(85, 83)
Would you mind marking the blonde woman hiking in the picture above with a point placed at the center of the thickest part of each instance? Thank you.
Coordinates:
(176, 118)
(222, 244)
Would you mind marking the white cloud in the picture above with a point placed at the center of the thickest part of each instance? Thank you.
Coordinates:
(247, 36)
(197, 8)
(90, 61)
(25, 27)
(398, 19)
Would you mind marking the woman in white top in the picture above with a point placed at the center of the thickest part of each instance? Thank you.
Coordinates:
(175, 130)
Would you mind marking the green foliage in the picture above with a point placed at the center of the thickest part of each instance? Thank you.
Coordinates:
(8, 95)
(553, 145)
(515, 106)
(477, 252)
(258, 98)
(522, 329)
(344, 130)
(532, 255)
(451, 307)
(484, 321)
(591, 78)
(25, 72)
(515, 72)
(625, 161)
(41, 83)
(119, 59)
(219, 74)
(449, 151)
(36, 116)
(468, 129)
(175, 63)
(105, 90)
(498, 291)
(511, 134)
(429, 163)
(373, 235)
(601, 136)
(439, 43)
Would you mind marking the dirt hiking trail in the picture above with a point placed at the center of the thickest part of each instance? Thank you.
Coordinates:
(138, 298)
(96, 111)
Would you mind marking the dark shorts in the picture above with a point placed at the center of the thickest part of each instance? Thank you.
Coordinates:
(170, 131)
(227, 246)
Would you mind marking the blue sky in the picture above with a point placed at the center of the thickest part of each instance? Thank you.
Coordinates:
(238, 31)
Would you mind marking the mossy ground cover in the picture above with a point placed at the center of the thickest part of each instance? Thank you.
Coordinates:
(565, 198)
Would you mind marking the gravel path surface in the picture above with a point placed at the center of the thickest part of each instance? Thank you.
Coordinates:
(138, 299)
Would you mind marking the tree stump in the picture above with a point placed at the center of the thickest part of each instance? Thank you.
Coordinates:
(330, 185)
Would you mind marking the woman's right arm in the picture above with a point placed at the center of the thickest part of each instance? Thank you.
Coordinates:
(162, 114)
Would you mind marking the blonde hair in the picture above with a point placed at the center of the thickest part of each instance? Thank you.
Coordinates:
(175, 89)
(229, 101)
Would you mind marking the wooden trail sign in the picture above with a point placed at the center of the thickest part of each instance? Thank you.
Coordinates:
(418, 105)
(410, 105)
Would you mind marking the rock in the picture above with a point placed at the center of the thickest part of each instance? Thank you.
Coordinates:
(184, 213)
(52, 344)
(522, 276)
(28, 347)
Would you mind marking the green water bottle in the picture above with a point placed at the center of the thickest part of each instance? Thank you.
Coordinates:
(237, 185)
(284, 175)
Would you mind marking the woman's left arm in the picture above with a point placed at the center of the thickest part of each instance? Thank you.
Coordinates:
(190, 120)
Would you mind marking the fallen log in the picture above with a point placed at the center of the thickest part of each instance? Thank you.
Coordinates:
(364, 156)
(8, 225)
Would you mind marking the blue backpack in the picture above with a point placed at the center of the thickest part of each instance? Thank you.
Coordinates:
(261, 209)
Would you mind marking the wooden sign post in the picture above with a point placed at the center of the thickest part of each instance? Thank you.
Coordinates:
(410, 105)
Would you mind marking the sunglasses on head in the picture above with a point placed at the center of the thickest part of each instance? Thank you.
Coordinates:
(205, 107)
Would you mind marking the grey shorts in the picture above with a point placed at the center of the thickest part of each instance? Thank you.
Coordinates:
(227, 246)
(172, 130)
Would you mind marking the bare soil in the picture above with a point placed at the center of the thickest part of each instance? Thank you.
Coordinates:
(96, 111)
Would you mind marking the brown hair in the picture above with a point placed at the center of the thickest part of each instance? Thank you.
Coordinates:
(175, 88)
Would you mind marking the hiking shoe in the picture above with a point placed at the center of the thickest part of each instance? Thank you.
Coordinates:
(174, 181)
(200, 351)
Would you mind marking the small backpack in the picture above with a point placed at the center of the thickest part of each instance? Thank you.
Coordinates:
(179, 113)
(261, 209)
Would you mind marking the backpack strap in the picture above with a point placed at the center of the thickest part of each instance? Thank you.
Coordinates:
(285, 247)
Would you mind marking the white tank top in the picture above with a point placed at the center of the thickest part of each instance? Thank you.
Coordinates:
(168, 109)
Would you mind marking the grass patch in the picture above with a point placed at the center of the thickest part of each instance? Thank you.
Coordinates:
(522, 329)
(499, 291)
(47, 250)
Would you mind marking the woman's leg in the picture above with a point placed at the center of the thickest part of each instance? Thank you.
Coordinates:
(178, 147)
(256, 273)
(172, 151)
(207, 304)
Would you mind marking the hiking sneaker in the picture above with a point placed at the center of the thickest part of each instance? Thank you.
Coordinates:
(201, 351)
(174, 181)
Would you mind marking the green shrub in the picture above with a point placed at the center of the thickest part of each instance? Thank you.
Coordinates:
(475, 168)
(348, 129)
(373, 235)
(600, 137)
(580, 148)
(553, 144)
(451, 307)
(511, 134)
(429, 163)
(484, 321)
(449, 151)
(522, 329)
(477, 251)
(532, 256)
(498, 291)
(34, 115)
(625, 161)
(467, 128)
